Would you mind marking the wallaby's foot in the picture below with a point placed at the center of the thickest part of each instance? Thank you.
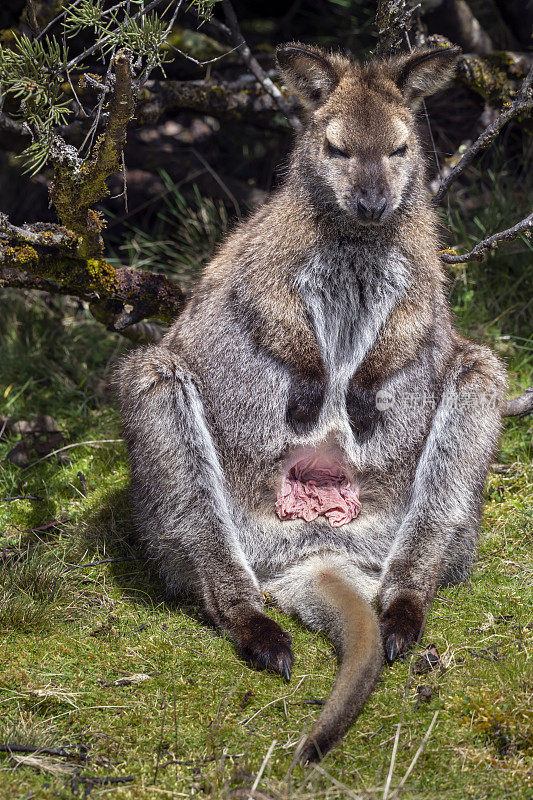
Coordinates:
(401, 626)
(266, 645)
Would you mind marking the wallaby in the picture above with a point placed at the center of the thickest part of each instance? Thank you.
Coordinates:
(312, 426)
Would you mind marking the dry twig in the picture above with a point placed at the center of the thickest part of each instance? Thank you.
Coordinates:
(392, 761)
(416, 756)
(263, 765)
(35, 751)
(92, 443)
(233, 32)
(490, 243)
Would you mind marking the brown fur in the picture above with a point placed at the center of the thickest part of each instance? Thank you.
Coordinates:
(361, 664)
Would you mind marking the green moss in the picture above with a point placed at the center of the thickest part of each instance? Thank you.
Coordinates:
(103, 275)
(494, 77)
(24, 257)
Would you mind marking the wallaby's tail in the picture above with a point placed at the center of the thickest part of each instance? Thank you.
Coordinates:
(355, 632)
(323, 597)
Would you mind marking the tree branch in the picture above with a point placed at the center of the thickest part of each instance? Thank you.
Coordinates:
(454, 18)
(491, 243)
(47, 257)
(32, 19)
(242, 100)
(14, 135)
(78, 186)
(393, 20)
(520, 406)
(13, 278)
(522, 103)
(233, 32)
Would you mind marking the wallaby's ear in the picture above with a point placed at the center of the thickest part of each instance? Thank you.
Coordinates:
(308, 72)
(424, 72)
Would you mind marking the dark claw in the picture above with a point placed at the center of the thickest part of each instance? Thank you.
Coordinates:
(286, 670)
(391, 648)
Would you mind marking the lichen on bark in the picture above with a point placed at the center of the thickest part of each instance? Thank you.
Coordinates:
(78, 186)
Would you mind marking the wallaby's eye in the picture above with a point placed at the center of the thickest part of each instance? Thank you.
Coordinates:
(401, 151)
(334, 152)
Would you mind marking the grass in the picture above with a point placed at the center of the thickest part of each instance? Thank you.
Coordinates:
(182, 236)
(198, 721)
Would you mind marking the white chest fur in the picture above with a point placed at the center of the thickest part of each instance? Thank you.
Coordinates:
(348, 297)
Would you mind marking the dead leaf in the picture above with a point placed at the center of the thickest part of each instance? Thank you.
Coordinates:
(45, 443)
(20, 455)
(428, 660)
(58, 695)
(40, 436)
(424, 694)
(137, 677)
(44, 423)
(103, 629)
(19, 427)
(246, 698)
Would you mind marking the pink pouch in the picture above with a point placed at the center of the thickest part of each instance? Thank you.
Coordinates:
(316, 485)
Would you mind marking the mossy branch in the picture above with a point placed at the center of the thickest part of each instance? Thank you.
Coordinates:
(50, 257)
(523, 104)
(241, 100)
(78, 186)
(394, 19)
(494, 76)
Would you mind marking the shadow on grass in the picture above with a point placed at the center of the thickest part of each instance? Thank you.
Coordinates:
(110, 537)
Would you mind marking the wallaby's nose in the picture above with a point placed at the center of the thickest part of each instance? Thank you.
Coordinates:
(371, 210)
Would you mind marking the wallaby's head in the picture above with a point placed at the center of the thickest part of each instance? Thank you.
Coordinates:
(359, 148)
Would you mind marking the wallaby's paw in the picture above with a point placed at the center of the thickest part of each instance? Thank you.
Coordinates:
(266, 645)
(308, 755)
(401, 626)
(312, 750)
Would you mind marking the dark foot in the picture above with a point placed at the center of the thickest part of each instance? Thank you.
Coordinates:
(265, 645)
(313, 750)
(401, 626)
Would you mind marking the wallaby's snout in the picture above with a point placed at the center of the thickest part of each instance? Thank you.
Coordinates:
(371, 207)
(370, 200)
(370, 188)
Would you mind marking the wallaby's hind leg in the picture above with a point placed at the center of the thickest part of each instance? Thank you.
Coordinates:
(185, 515)
(437, 538)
